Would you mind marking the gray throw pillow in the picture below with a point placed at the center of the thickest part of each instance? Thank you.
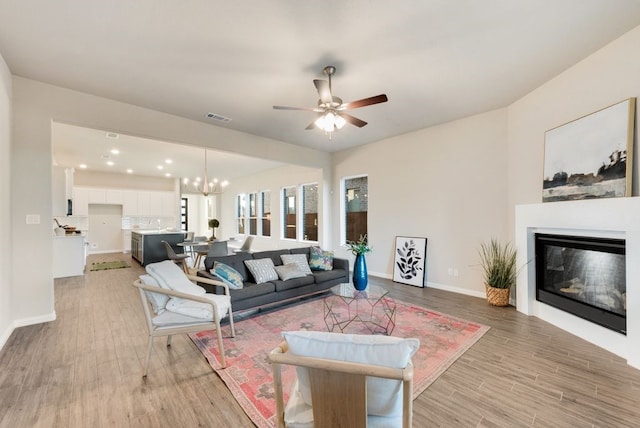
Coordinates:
(262, 270)
(288, 271)
(299, 259)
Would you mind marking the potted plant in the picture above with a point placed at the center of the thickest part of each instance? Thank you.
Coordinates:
(498, 263)
(213, 223)
(359, 248)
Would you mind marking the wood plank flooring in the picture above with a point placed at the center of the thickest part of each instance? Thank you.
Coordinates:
(84, 369)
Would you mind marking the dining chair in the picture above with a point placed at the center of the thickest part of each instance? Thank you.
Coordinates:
(180, 259)
(246, 245)
(218, 249)
(200, 250)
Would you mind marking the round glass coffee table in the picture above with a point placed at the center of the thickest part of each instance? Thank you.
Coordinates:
(370, 308)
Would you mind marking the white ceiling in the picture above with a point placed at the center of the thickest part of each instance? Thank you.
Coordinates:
(437, 60)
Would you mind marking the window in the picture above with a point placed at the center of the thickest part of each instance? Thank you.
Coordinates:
(355, 198)
(265, 212)
(310, 212)
(289, 210)
(253, 214)
(184, 214)
(240, 213)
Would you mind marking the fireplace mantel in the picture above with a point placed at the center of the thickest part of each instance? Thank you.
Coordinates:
(607, 218)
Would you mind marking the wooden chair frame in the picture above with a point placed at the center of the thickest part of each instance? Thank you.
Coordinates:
(338, 388)
(195, 327)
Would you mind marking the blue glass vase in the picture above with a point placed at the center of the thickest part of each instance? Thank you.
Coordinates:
(360, 273)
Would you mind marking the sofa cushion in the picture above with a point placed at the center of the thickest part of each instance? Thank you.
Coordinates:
(384, 396)
(170, 276)
(320, 259)
(301, 250)
(321, 276)
(251, 289)
(274, 255)
(227, 274)
(262, 270)
(293, 283)
(289, 271)
(299, 259)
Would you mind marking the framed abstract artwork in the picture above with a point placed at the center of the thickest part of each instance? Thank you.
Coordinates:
(409, 261)
(587, 158)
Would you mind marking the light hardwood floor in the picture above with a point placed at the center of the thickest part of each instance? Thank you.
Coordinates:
(84, 369)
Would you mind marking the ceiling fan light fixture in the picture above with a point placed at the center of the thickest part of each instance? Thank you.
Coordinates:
(330, 122)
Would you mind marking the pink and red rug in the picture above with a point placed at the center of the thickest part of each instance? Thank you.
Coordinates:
(443, 339)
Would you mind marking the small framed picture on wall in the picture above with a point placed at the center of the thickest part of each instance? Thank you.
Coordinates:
(410, 260)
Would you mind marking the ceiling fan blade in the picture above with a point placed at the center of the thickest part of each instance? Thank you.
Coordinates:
(353, 120)
(294, 108)
(382, 98)
(323, 90)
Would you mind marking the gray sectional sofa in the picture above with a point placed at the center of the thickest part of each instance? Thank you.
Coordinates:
(253, 295)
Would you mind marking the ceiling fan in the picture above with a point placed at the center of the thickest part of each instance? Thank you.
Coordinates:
(332, 111)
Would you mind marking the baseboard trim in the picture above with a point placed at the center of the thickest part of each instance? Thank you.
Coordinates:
(438, 286)
(23, 322)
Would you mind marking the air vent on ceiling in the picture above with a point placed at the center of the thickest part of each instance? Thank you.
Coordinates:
(112, 135)
(217, 117)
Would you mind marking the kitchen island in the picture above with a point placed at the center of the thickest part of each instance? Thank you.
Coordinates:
(147, 247)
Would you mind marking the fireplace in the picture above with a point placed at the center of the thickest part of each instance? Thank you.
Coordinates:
(584, 276)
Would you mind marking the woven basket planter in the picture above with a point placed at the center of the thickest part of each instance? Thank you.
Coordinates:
(497, 296)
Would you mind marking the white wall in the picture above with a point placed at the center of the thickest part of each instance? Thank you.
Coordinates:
(35, 106)
(6, 255)
(446, 183)
(608, 76)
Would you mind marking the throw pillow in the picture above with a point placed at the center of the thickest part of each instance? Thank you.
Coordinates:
(228, 275)
(262, 270)
(170, 276)
(158, 300)
(320, 260)
(384, 396)
(299, 259)
(289, 271)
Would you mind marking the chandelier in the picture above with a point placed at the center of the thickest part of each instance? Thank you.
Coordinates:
(206, 187)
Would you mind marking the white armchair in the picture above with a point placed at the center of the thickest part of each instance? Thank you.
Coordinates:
(174, 304)
(345, 380)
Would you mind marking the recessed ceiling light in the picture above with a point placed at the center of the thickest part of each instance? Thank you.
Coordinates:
(167, 174)
(110, 163)
(168, 161)
(115, 151)
(160, 167)
(83, 165)
(186, 180)
(129, 171)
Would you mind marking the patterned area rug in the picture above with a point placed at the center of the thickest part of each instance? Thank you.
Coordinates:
(119, 264)
(443, 339)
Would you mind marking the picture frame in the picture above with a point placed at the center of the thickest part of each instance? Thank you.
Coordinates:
(410, 260)
(590, 157)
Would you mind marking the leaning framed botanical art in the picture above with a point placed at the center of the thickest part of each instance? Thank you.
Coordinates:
(410, 259)
(587, 158)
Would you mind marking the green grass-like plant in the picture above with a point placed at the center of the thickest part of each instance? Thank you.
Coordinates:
(498, 262)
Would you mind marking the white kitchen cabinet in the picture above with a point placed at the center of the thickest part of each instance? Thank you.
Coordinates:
(69, 255)
(169, 204)
(144, 203)
(97, 196)
(129, 202)
(114, 196)
(126, 240)
(80, 201)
